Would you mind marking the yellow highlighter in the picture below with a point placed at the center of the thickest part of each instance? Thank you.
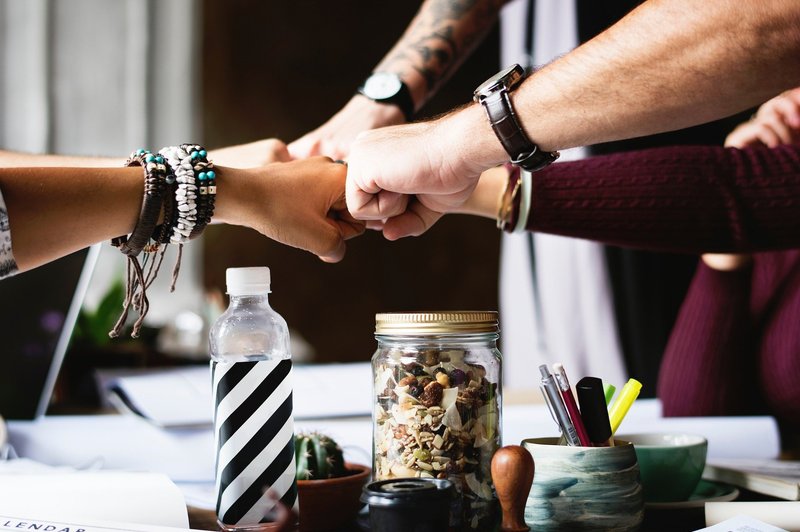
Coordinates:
(620, 407)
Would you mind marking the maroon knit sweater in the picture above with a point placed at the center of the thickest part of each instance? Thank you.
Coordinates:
(735, 347)
(692, 199)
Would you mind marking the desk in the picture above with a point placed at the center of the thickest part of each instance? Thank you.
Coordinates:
(188, 455)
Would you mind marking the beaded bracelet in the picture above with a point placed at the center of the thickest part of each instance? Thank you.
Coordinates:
(185, 192)
(206, 187)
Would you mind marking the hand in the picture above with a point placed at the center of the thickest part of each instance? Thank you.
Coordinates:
(334, 137)
(299, 203)
(252, 154)
(776, 122)
(436, 162)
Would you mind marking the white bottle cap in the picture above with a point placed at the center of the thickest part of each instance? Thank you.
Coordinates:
(247, 281)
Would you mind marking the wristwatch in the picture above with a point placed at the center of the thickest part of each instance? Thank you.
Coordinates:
(493, 94)
(386, 87)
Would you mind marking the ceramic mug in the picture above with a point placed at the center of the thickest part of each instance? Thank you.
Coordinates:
(670, 464)
(584, 488)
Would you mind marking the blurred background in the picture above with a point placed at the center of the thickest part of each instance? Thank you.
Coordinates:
(91, 77)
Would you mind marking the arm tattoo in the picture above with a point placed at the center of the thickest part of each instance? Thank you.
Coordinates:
(441, 36)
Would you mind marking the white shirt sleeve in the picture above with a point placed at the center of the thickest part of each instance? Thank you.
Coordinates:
(8, 266)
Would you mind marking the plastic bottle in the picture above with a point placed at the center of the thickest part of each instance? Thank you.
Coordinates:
(253, 426)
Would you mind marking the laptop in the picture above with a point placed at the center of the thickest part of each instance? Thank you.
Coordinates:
(38, 311)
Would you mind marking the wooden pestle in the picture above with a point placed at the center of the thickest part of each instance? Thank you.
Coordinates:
(512, 474)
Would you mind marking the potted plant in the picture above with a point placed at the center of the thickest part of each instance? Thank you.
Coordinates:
(328, 487)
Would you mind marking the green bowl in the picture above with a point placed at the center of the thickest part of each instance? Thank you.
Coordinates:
(670, 464)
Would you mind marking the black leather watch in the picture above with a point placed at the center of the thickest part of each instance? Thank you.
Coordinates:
(386, 87)
(493, 94)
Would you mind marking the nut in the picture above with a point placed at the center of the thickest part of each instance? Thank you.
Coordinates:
(406, 381)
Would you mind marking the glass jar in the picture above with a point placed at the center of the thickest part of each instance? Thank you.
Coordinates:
(437, 389)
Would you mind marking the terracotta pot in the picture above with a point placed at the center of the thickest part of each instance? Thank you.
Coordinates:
(331, 503)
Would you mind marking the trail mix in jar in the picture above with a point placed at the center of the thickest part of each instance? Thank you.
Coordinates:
(437, 415)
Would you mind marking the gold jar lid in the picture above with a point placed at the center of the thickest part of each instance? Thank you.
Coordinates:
(436, 322)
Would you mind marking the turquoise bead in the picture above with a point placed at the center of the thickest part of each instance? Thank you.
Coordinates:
(203, 153)
(195, 155)
(159, 159)
(211, 174)
(150, 158)
(201, 176)
(140, 151)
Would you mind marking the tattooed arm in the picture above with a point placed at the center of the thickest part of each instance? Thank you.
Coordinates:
(441, 36)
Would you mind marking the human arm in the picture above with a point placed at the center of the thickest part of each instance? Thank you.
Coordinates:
(439, 38)
(776, 122)
(55, 211)
(710, 358)
(690, 199)
(667, 65)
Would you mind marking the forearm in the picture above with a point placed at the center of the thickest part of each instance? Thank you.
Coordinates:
(55, 211)
(691, 199)
(441, 36)
(669, 64)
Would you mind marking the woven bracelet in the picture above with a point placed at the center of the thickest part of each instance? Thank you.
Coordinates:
(185, 192)
(155, 186)
(155, 173)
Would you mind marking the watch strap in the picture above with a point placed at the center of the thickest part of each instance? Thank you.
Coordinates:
(524, 152)
(402, 99)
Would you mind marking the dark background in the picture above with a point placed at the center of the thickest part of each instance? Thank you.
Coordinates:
(280, 69)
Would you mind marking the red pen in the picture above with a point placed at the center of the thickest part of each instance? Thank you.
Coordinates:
(572, 406)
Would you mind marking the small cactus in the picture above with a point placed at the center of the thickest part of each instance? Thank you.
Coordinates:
(317, 457)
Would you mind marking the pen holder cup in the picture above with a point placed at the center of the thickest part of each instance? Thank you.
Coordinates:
(584, 488)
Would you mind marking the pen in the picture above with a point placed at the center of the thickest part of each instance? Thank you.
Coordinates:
(553, 398)
(609, 390)
(593, 411)
(625, 399)
(572, 406)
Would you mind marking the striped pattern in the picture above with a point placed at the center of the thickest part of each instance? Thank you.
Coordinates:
(254, 438)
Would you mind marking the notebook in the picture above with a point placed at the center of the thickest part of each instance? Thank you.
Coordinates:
(38, 311)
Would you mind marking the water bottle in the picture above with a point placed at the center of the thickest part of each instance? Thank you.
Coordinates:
(253, 426)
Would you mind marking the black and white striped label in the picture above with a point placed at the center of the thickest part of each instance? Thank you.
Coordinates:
(254, 438)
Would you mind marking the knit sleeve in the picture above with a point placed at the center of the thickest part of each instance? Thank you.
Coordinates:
(691, 199)
(710, 358)
(8, 265)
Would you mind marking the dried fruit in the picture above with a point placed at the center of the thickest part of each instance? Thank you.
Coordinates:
(457, 377)
(431, 395)
(443, 379)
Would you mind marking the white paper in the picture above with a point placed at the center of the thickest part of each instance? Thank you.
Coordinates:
(741, 523)
(116, 442)
(83, 496)
(182, 397)
(782, 514)
(50, 525)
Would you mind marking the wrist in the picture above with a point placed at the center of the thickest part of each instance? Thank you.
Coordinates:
(231, 195)
(469, 136)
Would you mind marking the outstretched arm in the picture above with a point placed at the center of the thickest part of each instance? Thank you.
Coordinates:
(669, 64)
(55, 211)
(441, 36)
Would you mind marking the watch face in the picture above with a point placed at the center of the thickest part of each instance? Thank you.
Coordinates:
(506, 78)
(382, 85)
